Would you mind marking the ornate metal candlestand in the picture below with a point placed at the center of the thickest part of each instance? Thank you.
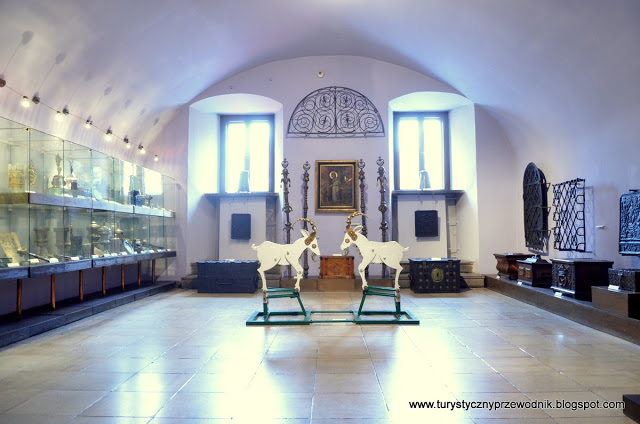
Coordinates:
(285, 184)
(363, 206)
(305, 209)
(382, 182)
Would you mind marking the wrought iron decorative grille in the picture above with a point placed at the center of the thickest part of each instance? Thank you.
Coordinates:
(568, 214)
(630, 224)
(332, 112)
(536, 212)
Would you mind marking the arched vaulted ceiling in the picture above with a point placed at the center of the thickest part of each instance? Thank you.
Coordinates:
(542, 68)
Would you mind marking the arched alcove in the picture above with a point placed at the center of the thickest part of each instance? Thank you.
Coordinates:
(458, 219)
(204, 162)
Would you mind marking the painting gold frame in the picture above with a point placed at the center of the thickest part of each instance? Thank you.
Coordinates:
(336, 186)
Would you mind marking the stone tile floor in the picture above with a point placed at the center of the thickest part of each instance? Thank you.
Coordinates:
(184, 357)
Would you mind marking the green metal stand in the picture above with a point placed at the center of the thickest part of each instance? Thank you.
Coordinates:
(264, 317)
(378, 317)
(398, 316)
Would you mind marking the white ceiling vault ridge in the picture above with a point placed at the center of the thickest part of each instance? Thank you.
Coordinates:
(549, 71)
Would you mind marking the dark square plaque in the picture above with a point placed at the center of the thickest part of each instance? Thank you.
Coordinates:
(426, 223)
(241, 226)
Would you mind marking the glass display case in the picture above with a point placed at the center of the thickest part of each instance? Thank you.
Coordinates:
(105, 242)
(153, 189)
(122, 172)
(103, 188)
(125, 228)
(46, 164)
(169, 193)
(75, 233)
(14, 233)
(157, 240)
(65, 207)
(141, 233)
(77, 178)
(42, 242)
(14, 157)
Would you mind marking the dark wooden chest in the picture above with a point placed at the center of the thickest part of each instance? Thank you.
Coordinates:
(507, 264)
(227, 276)
(625, 279)
(336, 267)
(534, 272)
(434, 275)
(575, 277)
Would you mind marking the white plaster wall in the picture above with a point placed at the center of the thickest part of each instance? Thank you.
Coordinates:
(287, 82)
(422, 247)
(241, 249)
(606, 156)
(202, 233)
(499, 192)
(464, 176)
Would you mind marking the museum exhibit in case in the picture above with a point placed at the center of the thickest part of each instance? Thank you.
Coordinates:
(65, 207)
(103, 190)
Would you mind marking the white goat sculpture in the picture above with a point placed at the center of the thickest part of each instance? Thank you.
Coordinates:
(388, 252)
(272, 254)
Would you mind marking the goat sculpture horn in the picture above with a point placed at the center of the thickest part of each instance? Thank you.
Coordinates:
(350, 231)
(313, 225)
(312, 236)
(353, 215)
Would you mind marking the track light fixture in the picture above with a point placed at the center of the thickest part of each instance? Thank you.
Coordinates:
(61, 115)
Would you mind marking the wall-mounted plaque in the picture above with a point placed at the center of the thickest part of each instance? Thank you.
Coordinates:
(426, 223)
(240, 226)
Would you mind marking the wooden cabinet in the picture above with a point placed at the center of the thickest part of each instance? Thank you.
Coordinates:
(534, 272)
(575, 277)
(336, 267)
(431, 275)
(507, 266)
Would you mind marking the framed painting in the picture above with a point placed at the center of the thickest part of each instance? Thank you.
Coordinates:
(336, 186)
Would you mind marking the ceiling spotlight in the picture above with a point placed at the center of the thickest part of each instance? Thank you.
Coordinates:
(155, 158)
(126, 142)
(141, 149)
(88, 124)
(35, 99)
(25, 102)
(2, 83)
(108, 136)
(59, 116)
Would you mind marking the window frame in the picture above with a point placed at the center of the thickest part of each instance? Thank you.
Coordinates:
(420, 115)
(224, 121)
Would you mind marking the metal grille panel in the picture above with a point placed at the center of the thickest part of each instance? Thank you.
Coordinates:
(332, 112)
(568, 215)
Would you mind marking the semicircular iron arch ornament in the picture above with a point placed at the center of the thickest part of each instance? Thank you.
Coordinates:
(333, 112)
(536, 211)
